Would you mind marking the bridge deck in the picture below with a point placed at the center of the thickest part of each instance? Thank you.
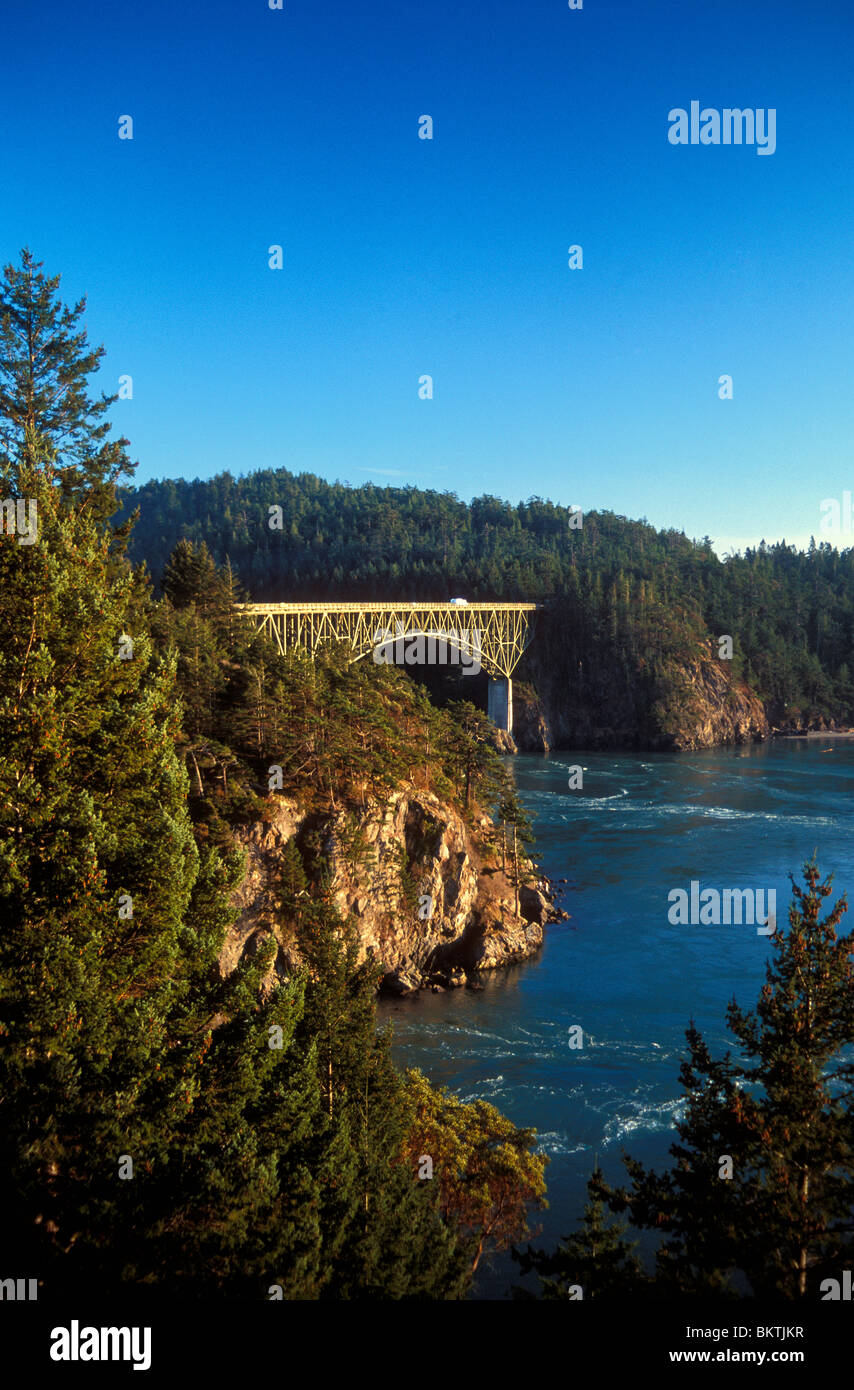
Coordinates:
(497, 633)
(332, 607)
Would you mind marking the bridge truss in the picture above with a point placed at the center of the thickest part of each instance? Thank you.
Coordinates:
(497, 632)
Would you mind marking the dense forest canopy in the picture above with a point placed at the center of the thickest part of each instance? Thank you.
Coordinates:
(171, 1124)
(641, 598)
(177, 1128)
(381, 542)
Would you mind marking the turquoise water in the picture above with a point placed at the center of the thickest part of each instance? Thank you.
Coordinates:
(642, 825)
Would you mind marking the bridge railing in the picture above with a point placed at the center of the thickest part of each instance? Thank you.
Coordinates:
(501, 631)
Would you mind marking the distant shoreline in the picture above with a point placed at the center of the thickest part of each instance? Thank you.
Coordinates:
(819, 733)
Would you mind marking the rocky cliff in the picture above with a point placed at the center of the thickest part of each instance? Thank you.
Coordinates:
(429, 896)
(684, 705)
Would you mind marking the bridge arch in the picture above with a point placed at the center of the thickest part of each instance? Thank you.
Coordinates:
(497, 633)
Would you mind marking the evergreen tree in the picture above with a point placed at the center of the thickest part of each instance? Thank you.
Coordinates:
(151, 1133)
(383, 1236)
(45, 362)
(471, 758)
(764, 1177)
(511, 812)
(595, 1262)
(190, 577)
(97, 867)
(292, 879)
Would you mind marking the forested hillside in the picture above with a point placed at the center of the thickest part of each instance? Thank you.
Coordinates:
(170, 1125)
(628, 607)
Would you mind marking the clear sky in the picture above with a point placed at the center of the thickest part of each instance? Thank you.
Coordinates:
(403, 257)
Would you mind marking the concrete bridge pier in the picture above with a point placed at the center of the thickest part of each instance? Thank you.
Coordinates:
(500, 703)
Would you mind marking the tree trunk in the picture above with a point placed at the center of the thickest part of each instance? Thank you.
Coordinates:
(198, 774)
(366, 1146)
(515, 871)
(802, 1262)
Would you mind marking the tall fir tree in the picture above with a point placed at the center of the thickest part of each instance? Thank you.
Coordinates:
(471, 757)
(763, 1185)
(45, 363)
(515, 847)
(383, 1234)
(151, 1132)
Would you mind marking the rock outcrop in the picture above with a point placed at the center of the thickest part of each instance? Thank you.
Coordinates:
(430, 900)
(502, 741)
(714, 710)
(692, 704)
(531, 728)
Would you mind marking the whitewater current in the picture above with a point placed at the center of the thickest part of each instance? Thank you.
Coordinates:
(640, 826)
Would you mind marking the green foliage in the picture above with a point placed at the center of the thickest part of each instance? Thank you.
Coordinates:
(627, 606)
(119, 1039)
(783, 1115)
(484, 1167)
(511, 812)
(595, 1262)
(45, 404)
(384, 1235)
(292, 879)
(165, 1126)
(253, 1164)
(407, 881)
(470, 758)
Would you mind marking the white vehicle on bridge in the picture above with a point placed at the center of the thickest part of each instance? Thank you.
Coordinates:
(507, 630)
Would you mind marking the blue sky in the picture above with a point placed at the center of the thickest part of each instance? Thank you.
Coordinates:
(402, 257)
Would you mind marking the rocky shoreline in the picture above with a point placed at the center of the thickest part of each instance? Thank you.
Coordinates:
(716, 713)
(430, 898)
(486, 947)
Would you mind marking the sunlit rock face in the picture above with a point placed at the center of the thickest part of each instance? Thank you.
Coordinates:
(671, 705)
(429, 896)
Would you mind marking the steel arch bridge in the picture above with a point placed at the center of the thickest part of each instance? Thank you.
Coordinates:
(497, 632)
